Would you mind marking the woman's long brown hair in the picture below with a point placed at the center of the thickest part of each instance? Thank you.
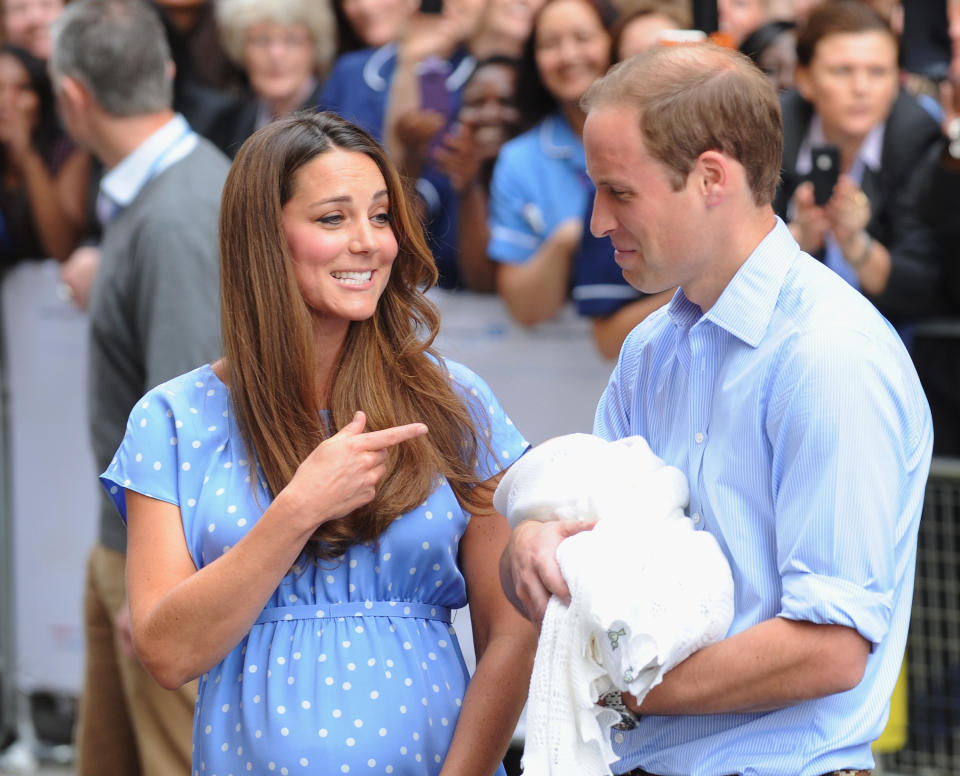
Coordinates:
(386, 367)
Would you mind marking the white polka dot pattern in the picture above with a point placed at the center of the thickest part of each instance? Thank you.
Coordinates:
(330, 690)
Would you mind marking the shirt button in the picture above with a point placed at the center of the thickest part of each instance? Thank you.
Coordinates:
(696, 518)
(699, 437)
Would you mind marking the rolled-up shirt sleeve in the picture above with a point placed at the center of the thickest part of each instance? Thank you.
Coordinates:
(839, 440)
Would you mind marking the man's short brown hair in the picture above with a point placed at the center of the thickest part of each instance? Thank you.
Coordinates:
(695, 98)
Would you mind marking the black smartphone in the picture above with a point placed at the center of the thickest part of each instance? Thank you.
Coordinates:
(431, 6)
(824, 172)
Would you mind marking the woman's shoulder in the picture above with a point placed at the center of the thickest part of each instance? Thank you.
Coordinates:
(524, 144)
(187, 394)
(547, 146)
(460, 375)
(476, 392)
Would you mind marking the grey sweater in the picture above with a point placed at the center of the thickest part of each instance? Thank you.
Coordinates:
(154, 306)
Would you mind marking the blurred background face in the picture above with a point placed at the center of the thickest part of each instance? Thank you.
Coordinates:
(953, 29)
(377, 22)
(572, 48)
(641, 33)
(16, 92)
(852, 82)
(279, 60)
(26, 23)
(778, 61)
(489, 107)
(738, 18)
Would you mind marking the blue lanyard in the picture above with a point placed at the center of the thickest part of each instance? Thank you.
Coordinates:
(157, 166)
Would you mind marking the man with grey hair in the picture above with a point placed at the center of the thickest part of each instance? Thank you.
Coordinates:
(154, 314)
(790, 404)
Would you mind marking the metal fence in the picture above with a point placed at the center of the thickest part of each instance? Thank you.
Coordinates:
(932, 745)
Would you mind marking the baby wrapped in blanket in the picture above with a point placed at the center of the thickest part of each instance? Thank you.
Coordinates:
(647, 590)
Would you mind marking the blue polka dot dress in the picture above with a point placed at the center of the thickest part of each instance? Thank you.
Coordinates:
(353, 666)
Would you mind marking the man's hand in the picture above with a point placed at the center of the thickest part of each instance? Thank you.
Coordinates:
(529, 572)
(77, 274)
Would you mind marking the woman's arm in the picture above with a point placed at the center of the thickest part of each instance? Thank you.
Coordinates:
(478, 271)
(505, 644)
(57, 204)
(536, 289)
(185, 620)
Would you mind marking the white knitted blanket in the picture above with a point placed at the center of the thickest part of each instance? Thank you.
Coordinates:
(647, 590)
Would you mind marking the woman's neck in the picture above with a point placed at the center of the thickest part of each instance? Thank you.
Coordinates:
(575, 117)
(287, 105)
(329, 342)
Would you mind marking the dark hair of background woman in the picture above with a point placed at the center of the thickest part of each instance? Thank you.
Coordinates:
(47, 128)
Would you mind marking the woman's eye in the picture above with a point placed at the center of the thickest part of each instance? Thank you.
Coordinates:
(383, 218)
(332, 219)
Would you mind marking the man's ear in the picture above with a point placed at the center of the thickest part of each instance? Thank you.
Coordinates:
(713, 176)
(73, 95)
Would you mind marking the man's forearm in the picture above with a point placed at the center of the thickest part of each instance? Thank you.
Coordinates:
(774, 664)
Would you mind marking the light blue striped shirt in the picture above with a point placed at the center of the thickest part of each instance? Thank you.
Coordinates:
(797, 416)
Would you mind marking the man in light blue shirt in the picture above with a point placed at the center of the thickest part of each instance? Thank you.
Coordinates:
(793, 409)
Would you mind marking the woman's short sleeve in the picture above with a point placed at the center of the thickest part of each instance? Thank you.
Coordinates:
(146, 460)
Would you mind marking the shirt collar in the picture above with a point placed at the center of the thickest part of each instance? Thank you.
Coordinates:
(746, 305)
(124, 182)
(870, 153)
(557, 138)
(378, 69)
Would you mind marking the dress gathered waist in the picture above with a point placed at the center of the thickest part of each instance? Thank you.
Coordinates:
(357, 609)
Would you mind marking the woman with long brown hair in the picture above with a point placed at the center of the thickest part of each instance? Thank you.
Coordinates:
(304, 513)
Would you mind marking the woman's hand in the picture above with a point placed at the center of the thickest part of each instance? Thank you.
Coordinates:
(342, 472)
(848, 212)
(810, 224)
(458, 157)
(414, 130)
(17, 126)
(427, 35)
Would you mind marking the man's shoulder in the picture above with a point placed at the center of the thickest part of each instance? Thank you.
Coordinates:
(646, 337)
(813, 297)
(192, 186)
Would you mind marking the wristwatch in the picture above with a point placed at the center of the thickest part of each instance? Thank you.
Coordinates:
(614, 700)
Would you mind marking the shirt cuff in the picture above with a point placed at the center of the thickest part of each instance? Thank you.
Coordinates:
(832, 601)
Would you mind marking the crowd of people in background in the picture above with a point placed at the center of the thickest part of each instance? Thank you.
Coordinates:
(478, 104)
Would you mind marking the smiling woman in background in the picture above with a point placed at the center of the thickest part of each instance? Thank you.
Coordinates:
(540, 188)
